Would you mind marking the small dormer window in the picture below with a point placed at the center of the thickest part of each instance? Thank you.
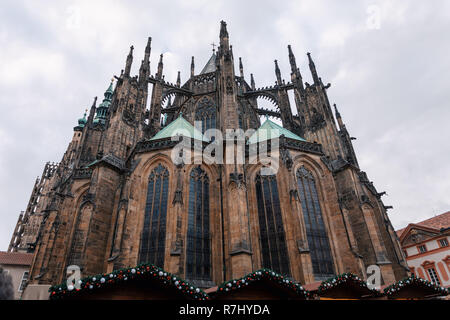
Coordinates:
(422, 249)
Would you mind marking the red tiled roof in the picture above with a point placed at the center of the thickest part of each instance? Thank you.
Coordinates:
(437, 222)
(16, 258)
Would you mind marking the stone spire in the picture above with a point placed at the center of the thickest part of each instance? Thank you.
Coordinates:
(144, 71)
(278, 73)
(148, 49)
(129, 63)
(241, 67)
(160, 68)
(224, 43)
(179, 79)
(192, 67)
(226, 81)
(223, 31)
(338, 117)
(92, 112)
(312, 67)
(296, 76)
(292, 61)
(252, 82)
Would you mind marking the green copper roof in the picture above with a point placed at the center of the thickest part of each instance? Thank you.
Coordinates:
(103, 107)
(110, 89)
(82, 121)
(271, 130)
(180, 127)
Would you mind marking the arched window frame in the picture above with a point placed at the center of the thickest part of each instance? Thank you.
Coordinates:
(206, 113)
(274, 252)
(317, 233)
(198, 239)
(79, 237)
(153, 239)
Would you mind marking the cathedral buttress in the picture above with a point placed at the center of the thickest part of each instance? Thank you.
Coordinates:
(122, 130)
(238, 248)
(127, 111)
(283, 101)
(156, 100)
(346, 140)
(90, 138)
(314, 111)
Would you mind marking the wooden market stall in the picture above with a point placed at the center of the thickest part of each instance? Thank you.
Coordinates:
(415, 288)
(346, 286)
(144, 282)
(263, 284)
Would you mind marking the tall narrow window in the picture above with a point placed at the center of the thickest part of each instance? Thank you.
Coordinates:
(272, 236)
(198, 251)
(154, 232)
(433, 276)
(24, 280)
(319, 245)
(206, 113)
(77, 249)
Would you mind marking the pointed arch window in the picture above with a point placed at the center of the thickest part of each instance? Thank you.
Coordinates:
(241, 119)
(272, 235)
(318, 242)
(154, 231)
(77, 250)
(198, 249)
(206, 113)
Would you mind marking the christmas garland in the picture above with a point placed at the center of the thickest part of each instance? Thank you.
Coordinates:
(143, 271)
(414, 281)
(343, 279)
(267, 274)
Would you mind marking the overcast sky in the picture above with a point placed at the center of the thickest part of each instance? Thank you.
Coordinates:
(388, 63)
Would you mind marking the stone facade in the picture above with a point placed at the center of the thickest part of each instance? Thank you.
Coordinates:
(91, 209)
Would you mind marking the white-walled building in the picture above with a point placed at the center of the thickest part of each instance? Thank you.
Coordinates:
(17, 265)
(427, 250)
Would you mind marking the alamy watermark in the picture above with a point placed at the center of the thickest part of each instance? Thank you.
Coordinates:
(373, 277)
(73, 278)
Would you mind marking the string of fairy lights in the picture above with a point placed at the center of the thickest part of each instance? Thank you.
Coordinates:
(417, 282)
(343, 279)
(165, 279)
(141, 272)
(262, 274)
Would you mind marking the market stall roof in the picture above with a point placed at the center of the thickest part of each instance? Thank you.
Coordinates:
(414, 288)
(264, 284)
(144, 282)
(346, 286)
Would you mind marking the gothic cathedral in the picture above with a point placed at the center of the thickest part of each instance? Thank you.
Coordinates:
(117, 199)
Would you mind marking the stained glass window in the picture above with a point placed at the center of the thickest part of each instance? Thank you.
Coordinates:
(198, 249)
(318, 243)
(272, 235)
(154, 231)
